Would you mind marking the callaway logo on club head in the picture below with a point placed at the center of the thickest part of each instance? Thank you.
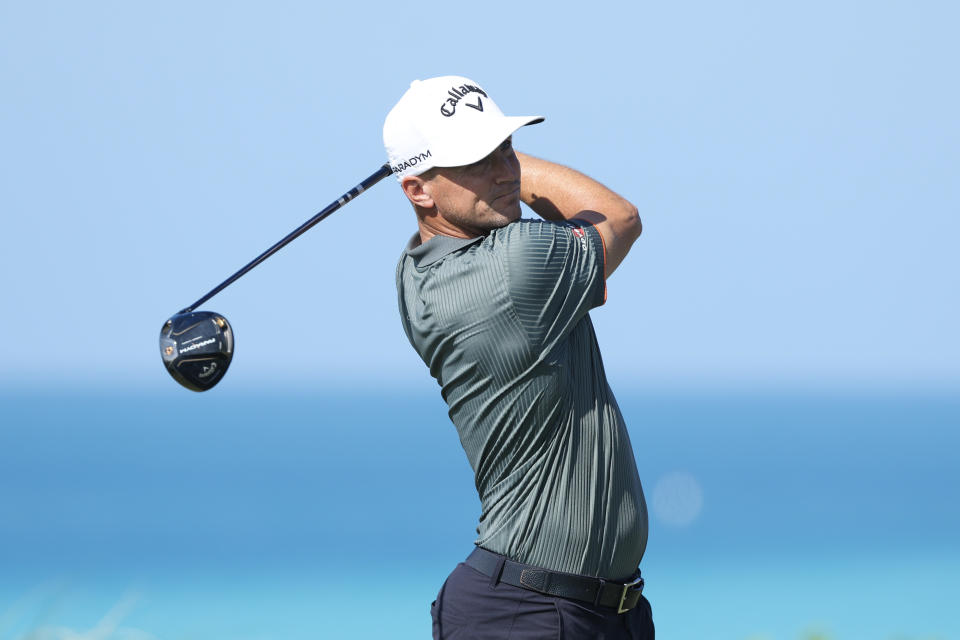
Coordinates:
(208, 370)
(449, 106)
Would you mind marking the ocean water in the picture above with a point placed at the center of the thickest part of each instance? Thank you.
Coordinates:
(230, 514)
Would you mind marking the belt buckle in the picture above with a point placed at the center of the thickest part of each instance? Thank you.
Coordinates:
(623, 595)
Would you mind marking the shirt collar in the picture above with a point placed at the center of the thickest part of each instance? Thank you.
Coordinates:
(426, 253)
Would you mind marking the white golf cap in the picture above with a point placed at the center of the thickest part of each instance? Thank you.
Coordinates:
(447, 121)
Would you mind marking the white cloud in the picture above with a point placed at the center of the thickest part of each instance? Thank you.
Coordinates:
(677, 498)
(108, 628)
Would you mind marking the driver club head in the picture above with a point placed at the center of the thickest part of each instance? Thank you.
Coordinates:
(196, 348)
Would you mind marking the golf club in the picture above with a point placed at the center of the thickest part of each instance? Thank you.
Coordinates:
(197, 346)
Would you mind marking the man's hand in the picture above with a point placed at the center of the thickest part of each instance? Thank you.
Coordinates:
(559, 193)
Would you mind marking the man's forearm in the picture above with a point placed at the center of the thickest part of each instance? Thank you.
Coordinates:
(559, 193)
(536, 178)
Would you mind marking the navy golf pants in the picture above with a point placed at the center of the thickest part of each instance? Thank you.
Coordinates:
(470, 606)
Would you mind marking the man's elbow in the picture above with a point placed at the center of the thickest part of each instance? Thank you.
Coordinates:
(633, 227)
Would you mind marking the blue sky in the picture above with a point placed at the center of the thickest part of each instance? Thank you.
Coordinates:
(795, 166)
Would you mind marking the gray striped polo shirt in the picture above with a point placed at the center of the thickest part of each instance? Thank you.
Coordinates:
(502, 322)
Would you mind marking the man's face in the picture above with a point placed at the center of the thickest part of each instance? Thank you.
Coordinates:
(482, 196)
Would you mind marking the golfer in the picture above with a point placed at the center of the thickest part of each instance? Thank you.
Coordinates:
(498, 309)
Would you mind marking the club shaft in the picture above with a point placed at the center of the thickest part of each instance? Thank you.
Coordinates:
(380, 174)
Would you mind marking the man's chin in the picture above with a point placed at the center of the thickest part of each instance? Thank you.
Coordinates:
(510, 214)
(500, 217)
(503, 221)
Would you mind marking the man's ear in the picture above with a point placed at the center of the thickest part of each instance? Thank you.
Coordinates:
(417, 191)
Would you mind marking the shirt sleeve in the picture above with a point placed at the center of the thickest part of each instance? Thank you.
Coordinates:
(555, 274)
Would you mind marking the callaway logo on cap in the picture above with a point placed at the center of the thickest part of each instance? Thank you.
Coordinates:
(447, 121)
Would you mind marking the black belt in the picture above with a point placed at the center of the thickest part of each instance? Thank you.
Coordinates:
(616, 595)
